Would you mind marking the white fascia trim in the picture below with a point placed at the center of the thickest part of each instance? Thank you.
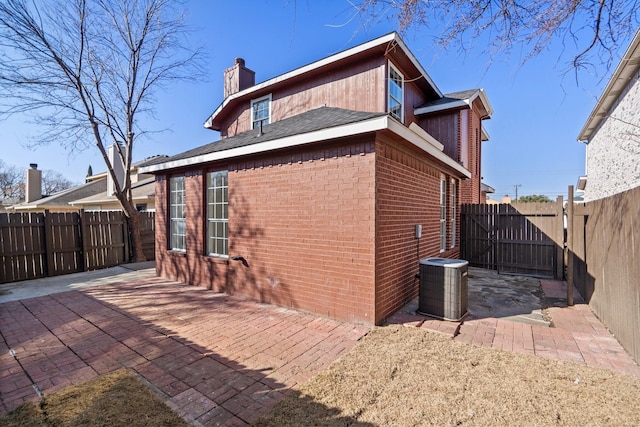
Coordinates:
(419, 140)
(426, 146)
(298, 71)
(326, 61)
(485, 135)
(370, 125)
(619, 79)
(440, 107)
(426, 136)
(417, 64)
(459, 103)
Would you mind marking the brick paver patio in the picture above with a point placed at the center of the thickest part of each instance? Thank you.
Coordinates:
(221, 360)
(576, 336)
(216, 359)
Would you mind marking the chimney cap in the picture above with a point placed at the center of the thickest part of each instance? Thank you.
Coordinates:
(239, 61)
(33, 165)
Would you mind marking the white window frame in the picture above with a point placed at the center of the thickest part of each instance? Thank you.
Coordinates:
(443, 213)
(255, 123)
(454, 211)
(177, 214)
(217, 213)
(392, 68)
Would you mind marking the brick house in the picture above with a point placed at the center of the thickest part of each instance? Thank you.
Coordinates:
(311, 198)
(612, 131)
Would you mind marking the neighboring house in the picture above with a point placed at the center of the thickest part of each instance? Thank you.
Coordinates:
(312, 197)
(94, 195)
(612, 132)
(486, 190)
(7, 203)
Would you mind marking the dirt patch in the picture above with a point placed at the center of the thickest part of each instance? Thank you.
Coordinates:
(117, 399)
(405, 376)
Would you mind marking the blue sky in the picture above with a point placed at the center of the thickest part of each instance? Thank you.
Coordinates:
(538, 112)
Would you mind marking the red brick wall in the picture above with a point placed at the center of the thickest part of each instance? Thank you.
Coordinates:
(304, 222)
(408, 193)
(315, 234)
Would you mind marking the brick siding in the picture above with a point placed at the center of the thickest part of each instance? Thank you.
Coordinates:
(408, 193)
(329, 231)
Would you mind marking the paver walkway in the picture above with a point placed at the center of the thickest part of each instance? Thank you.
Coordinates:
(221, 360)
(576, 335)
(216, 359)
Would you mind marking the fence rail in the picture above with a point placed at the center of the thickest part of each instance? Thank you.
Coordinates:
(34, 245)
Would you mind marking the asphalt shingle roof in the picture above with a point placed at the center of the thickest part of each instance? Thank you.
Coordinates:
(310, 121)
(69, 195)
(451, 97)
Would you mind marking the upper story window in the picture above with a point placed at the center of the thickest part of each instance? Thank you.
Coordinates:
(260, 111)
(396, 93)
(177, 214)
(217, 213)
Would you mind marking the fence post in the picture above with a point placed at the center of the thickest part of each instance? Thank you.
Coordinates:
(559, 238)
(126, 237)
(48, 244)
(84, 231)
(570, 212)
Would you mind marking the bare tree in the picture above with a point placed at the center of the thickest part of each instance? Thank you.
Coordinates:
(88, 70)
(590, 30)
(54, 181)
(11, 182)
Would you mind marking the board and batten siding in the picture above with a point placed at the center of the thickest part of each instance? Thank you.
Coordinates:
(360, 86)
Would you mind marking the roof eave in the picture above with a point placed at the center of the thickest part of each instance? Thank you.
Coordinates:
(418, 139)
(391, 37)
(619, 79)
(364, 126)
(459, 103)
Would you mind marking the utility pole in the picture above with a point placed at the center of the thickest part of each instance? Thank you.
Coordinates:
(516, 188)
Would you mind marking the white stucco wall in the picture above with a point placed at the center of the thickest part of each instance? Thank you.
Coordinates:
(613, 153)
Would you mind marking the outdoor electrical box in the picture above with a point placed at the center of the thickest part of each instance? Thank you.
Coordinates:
(443, 288)
(418, 231)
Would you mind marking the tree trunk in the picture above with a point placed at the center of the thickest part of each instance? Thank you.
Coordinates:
(137, 255)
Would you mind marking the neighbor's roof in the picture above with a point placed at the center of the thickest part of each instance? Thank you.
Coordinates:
(453, 100)
(152, 160)
(142, 190)
(629, 65)
(390, 42)
(321, 124)
(64, 197)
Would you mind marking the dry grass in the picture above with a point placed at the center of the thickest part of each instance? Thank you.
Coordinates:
(405, 376)
(117, 399)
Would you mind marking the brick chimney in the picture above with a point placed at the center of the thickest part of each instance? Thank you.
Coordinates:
(237, 78)
(33, 184)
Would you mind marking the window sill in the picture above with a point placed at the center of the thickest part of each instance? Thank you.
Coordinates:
(173, 252)
(216, 259)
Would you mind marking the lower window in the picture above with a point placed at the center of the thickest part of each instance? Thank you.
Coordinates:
(177, 212)
(217, 213)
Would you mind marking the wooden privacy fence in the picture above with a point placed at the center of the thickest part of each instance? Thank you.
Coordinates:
(521, 238)
(603, 262)
(34, 245)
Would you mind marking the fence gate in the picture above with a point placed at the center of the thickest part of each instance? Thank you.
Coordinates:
(521, 238)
